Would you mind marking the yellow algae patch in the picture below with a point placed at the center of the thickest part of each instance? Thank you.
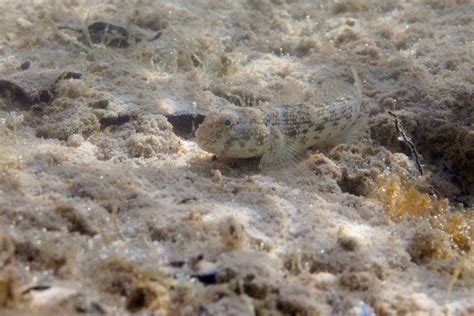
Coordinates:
(403, 200)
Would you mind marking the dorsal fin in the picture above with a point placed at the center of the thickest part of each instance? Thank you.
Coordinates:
(290, 93)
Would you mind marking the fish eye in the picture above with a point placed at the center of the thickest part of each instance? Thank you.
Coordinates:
(227, 122)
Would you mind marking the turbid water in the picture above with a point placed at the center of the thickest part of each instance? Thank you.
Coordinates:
(104, 209)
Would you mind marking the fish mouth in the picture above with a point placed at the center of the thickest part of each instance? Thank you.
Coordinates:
(207, 144)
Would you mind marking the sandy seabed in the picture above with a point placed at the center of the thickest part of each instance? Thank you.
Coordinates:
(108, 208)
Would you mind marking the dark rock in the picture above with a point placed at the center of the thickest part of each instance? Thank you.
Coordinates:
(109, 34)
(185, 124)
(99, 104)
(14, 92)
(68, 75)
(116, 120)
(36, 288)
(25, 65)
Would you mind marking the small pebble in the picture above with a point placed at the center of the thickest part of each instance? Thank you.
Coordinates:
(24, 24)
(25, 65)
(75, 140)
(347, 243)
(389, 103)
(216, 176)
(324, 280)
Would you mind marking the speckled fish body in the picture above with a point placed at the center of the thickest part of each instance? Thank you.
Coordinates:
(306, 125)
(279, 132)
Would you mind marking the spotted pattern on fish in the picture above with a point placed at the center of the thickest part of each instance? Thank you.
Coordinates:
(272, 131)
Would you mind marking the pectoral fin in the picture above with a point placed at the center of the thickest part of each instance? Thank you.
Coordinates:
(283, 156)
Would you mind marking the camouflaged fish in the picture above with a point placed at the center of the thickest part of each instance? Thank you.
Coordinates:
(280, 134)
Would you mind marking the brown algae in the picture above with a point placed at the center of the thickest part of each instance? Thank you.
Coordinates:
(403, 200)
